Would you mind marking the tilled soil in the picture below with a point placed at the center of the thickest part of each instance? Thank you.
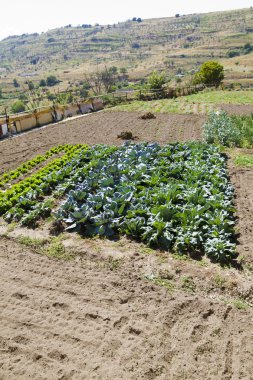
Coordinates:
(237, 109)
(242, 179)
(99, 128)
(87, 320)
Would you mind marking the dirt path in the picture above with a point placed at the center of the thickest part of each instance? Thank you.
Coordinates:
(99, 128)
(242, 179)
(85, 320)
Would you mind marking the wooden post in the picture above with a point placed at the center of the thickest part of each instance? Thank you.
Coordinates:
(7, 120)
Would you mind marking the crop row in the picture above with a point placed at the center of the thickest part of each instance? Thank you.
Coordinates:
(29, 165)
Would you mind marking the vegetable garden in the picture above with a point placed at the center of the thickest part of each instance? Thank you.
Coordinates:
(177, 197)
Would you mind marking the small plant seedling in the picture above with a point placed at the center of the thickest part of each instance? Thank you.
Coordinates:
(188, 283)
(219, 281)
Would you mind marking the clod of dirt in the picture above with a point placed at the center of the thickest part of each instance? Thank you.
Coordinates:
(125, 135)
(56, 227)
(148, 115)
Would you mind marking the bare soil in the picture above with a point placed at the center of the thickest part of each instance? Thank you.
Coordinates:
(118, 310)
(99, 128)
(237, 109)
(100, 318)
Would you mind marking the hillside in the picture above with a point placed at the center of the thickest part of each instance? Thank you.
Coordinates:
(176, 44)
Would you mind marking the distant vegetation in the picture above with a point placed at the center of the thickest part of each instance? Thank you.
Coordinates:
(211, 73)
(176, 47)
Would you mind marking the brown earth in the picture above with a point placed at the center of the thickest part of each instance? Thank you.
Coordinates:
(99, 128)
(100, 318)
(119, 310)
(237, 109)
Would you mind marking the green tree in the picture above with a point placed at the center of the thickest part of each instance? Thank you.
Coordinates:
(15, 83)
(156, 80)
(31, 85)
(42, 83)
(18, 106)
(248, 48)
(210, 73)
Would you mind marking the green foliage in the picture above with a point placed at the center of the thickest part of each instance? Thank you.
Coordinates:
(15, 83)
(244, 160)
(210, 73)
(42, 83)
(162, 196)
(229, 131)
(220, 129)
(248, 48)
(18, 106)
(177, 197)
(31, 86)
(156, 81)
(51, 80)
(233, 53)
(245, 126)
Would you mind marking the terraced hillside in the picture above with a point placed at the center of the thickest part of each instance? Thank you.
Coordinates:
(177, 44)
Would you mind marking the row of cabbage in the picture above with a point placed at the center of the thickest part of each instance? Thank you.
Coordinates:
(177, 197)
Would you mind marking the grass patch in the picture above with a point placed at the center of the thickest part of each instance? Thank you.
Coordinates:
(34, 243)
(161, 282)
(244, 160)
(114, 264)
(57, 250)
(188, 283)
(155, 106)
(222, 97)
(53, 248)
(176, 256)
(203, 102)
(219, 281)
(240, 305)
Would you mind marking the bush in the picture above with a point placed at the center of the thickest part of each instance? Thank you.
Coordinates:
(42, 83)
(18, 106)
(15, 83)
(233, 53)
(52, 80)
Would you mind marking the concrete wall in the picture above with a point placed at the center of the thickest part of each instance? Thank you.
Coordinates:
(44, 118)
(27, 122)
(46, 115)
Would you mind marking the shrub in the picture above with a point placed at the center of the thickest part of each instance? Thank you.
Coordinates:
(51, 80)
(42, 83)
(233, 53)
(18, 106)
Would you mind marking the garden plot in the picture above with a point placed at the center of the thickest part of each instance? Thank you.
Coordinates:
(177, 197)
